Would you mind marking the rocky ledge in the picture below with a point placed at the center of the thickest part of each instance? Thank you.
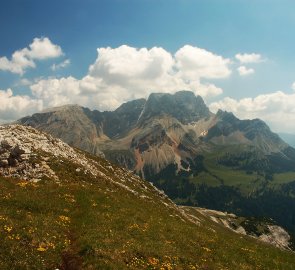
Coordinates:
(21, 154)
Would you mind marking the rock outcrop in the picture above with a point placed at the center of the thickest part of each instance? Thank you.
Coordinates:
(261, 230)
(25, 152)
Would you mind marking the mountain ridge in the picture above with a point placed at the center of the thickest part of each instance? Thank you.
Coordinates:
(183, 106)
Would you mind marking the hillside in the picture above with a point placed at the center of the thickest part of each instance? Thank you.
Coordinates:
(198, 158)
(61, 208)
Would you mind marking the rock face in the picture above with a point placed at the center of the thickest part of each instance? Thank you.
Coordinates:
(183, 106)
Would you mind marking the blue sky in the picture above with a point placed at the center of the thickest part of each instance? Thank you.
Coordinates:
(258, 87)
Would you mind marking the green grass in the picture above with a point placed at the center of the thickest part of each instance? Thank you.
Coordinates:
(91, 223)
(283, 178)
(218, 174)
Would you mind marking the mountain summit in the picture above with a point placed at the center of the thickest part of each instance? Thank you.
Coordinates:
(183, 106)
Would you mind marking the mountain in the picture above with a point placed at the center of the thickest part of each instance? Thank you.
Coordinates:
(149, 135)
(197, 157)
(69, 123)
(62, 208)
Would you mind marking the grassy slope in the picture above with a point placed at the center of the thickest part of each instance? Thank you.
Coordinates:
(87, 223)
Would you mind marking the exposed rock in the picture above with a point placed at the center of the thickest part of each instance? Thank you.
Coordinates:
(277, 236)
(4, 162)
(183, 106)
(272, 234)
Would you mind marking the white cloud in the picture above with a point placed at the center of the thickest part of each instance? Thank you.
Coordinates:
(13, 107)
(194, 63)
(43, 48)
(293, 86)
(126, 73)
(243, 71)
(277, 109)
(138, 72)
(247, 58)
(39, 49)
(129, 62)
(56, 92)
(208, 90)
(17, 64)
(61, 65)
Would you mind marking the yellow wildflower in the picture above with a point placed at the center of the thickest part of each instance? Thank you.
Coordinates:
(7, 228)
(41, 249)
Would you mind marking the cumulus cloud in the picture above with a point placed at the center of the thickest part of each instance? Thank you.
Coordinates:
(194, 63)
(39, 49)
(15, 106)
(126, 73)
(138, 72)
(56, 92)
(277, 109)
(61, 65)
(243, 71)
(246, 58)
(42, 48)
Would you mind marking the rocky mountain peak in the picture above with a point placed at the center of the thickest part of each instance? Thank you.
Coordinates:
(132, 105)
(64, 108)
(226, 116)
(183, 105)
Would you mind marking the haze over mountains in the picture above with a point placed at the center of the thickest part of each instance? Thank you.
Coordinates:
(197, 157)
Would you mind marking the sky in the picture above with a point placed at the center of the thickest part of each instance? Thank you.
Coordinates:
(238, 55)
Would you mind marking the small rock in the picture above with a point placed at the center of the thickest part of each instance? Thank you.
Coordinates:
(4, 163)
(24, 157)
(12, 162)
(35, 180)
(6, 145)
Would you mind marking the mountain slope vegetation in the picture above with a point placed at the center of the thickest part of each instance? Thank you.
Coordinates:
(79, 211)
